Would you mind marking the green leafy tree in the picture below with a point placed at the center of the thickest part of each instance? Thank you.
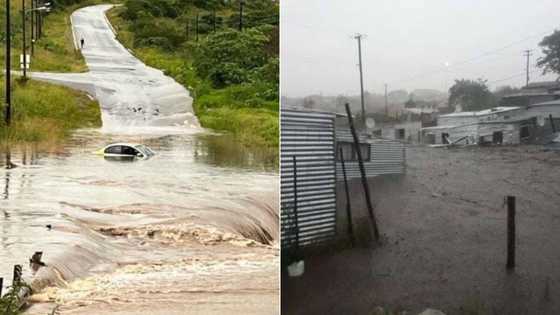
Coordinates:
(550, 45)
(472, 95)
(230, 57)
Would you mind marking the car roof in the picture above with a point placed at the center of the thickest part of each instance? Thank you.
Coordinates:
(123, 144)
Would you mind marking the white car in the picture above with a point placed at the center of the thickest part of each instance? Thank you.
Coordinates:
(126, 150)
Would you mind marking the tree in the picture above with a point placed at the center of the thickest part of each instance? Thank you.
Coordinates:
(410, 103)
(550, 45)
(230, 57)
(470, 94)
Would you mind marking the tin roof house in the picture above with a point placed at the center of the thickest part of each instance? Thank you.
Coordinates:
(534, 123)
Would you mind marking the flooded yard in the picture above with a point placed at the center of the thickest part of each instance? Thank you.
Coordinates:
(444, 240)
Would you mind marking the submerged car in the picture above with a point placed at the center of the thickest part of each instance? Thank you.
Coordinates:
(126, 151)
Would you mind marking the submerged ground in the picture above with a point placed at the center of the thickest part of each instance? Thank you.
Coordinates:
(193, 229)
(445, 241)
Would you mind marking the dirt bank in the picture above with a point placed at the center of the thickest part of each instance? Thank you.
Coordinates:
(445, 246)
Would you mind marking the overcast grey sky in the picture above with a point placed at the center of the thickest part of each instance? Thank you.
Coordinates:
(408, 43)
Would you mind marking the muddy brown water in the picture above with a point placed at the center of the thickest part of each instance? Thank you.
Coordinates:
(444, 241)
(199, 219)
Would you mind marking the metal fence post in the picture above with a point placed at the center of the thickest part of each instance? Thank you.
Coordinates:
(348, 208)
(296, 224)
(510, 232)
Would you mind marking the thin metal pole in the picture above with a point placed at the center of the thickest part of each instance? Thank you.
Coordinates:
(511, 232)
(8, 115)
(24, 44)
(348, 207)
(33, 27)
(296, 223)
(241, 4)
(363, 172)
(196, 24)
(214, 20)
(187, 28)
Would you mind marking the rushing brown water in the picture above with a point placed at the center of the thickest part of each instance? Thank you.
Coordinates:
(202, 212)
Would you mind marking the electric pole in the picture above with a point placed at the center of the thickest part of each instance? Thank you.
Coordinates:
(386, 103)
(241, 4)
(528, 54)
(8, 115)
(359, 38)
(196, 26)
(33, 27)
(24, 45)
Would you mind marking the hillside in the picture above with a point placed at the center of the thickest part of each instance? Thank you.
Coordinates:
(232, 74)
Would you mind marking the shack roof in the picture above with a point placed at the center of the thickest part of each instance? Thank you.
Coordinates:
(490, 111)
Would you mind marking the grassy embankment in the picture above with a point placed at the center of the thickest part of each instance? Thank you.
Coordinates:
(44, 112)
(235, 108)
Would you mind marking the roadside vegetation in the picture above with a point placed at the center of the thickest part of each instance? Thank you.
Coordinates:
(47, 113)
(42, 112)
(231, 74)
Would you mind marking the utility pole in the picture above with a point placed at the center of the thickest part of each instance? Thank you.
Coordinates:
(214, 20)
(359, 38)
(241, 4)
(196, 26)
(187, 28)
(24, 45)
(386, 103)
(33, 27)
(528, 54)
(8, 115)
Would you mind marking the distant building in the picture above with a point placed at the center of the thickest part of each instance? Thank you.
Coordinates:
(533, 123)
(534, 93)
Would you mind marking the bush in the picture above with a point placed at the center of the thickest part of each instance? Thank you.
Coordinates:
(227, 57)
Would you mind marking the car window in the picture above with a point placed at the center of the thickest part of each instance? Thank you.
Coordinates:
(129, 151)
(116, 149)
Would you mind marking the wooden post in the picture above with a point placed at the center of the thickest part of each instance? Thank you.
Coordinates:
(511, 233)
(552, 123)
(16, 279)
(348, 209)
(363, 172)
(1, 286)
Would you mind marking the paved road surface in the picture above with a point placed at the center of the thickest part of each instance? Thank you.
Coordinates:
(131, 94)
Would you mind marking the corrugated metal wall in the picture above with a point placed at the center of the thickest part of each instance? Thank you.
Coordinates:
(387, 157)
(310, 137)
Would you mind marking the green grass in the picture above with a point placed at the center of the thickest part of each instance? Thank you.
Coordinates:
(252, 121)
(54, 51)
(47, 113)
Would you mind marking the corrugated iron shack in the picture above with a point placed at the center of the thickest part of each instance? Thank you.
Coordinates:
(315, 187)
(534, 123)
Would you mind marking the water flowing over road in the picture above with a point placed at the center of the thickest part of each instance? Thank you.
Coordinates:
(131, 94)
(192, 230)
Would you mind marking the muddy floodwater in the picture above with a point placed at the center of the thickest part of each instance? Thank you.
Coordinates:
(193, 228)
(444, 240)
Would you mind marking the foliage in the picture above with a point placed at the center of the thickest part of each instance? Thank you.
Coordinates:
(550, 45)
(10, 303)
(471, 95)
(229, 56)
(233, 76)
(45, 112)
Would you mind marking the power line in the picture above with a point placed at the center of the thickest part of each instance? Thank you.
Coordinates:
(469, 60)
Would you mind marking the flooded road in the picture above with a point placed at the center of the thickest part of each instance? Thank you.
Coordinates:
(202, 210)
